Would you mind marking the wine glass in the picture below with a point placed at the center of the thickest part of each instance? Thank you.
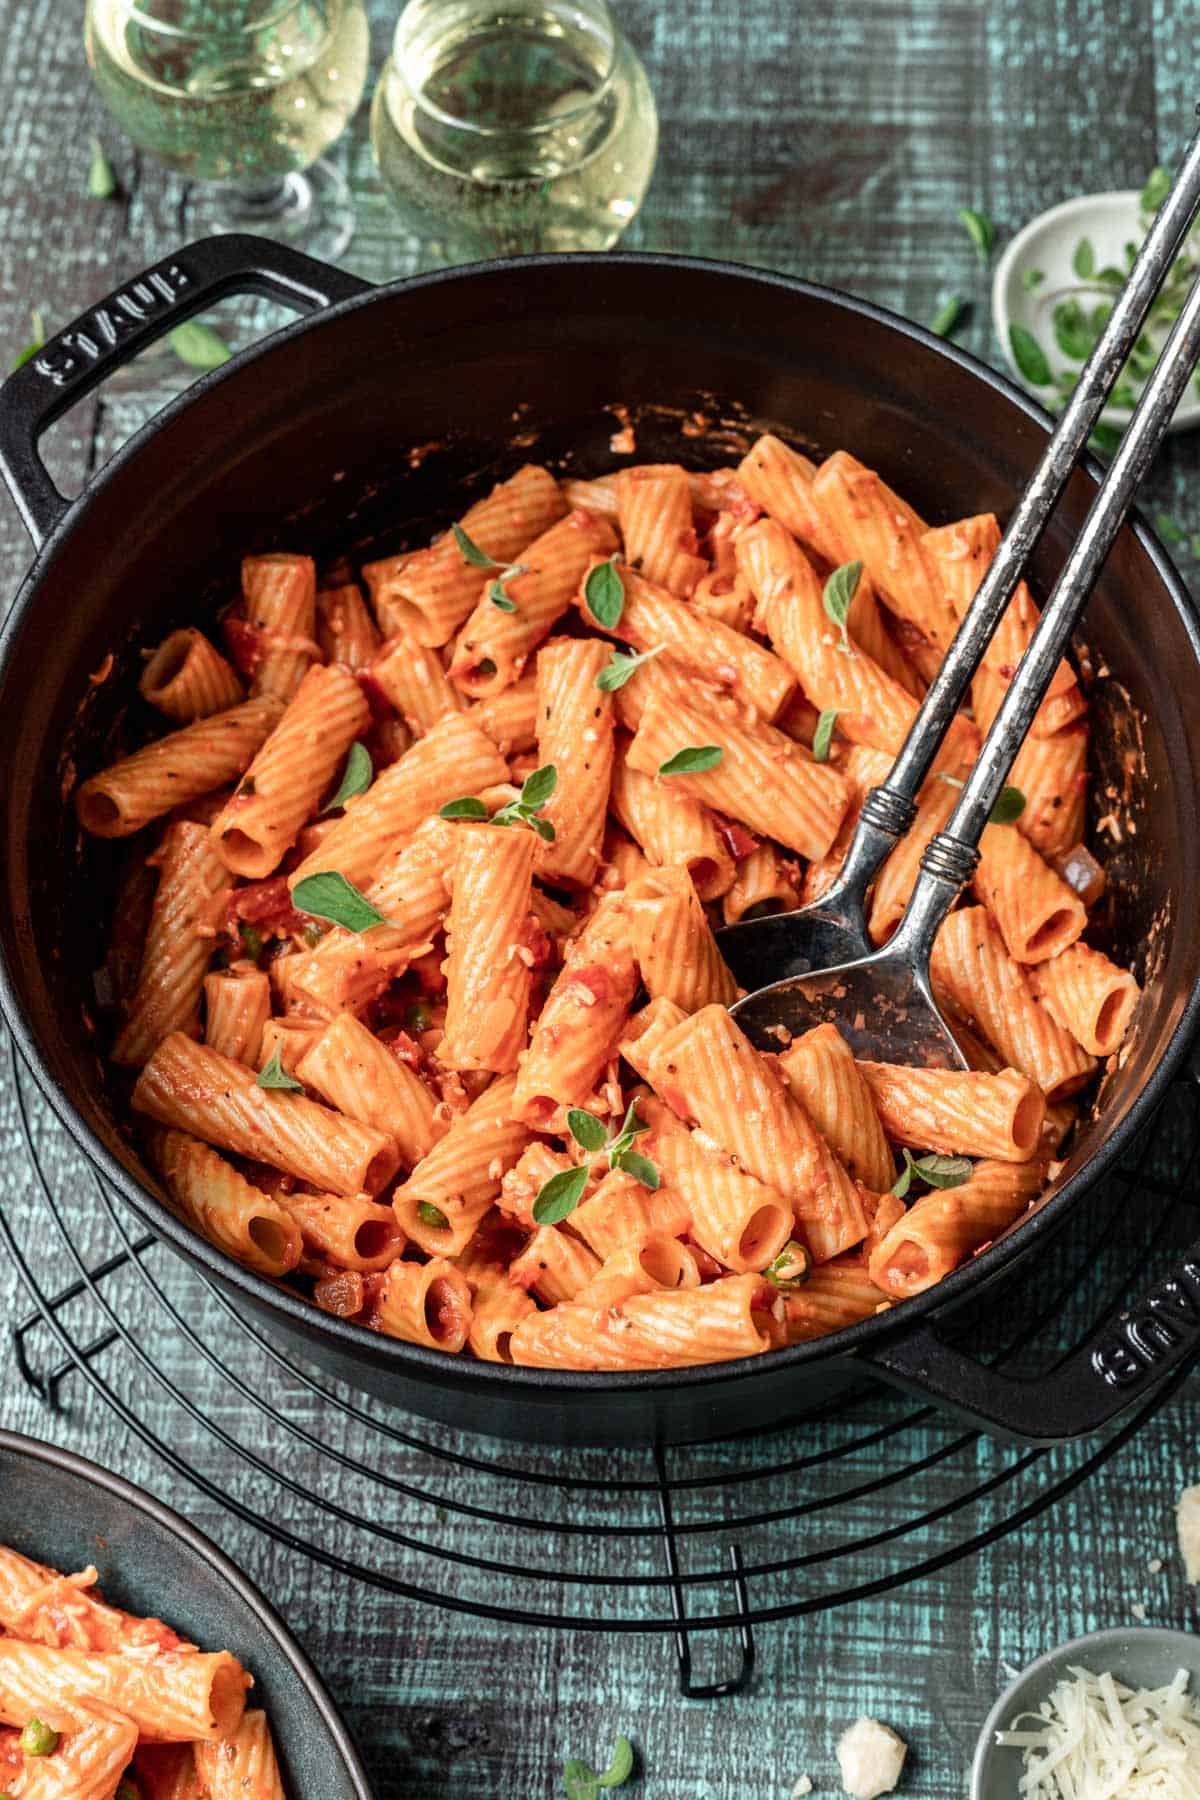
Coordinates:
(500, 128)
(244, 97)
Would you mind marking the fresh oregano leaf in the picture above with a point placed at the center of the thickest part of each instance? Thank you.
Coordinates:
(469, 550)
(692, 761)
(1073, 332)
(604, 592)
(543, 827)
(432, 1216)
(499, 598)
(581, 1780)
(466, 808)
(37, 325)
(102, 183)
(1168, 530)
(791, 1267)
(823, 735)
(1010, 802)
(903, 1180)
(640, 1167)
(1084, 260)
(198, 345)
(616, 673)
(587, 1130)
(538, 787)
(356, 776)
(620, 1766)
(944, 1171)
(1029, 356)
(979, 229)
(948, 316)
(1158, 186)
(329, 895)
(276, 1076)
(558, 1197)
(1032, 279)
(839, 593)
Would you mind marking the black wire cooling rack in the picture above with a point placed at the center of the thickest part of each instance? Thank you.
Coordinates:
(678, 1542)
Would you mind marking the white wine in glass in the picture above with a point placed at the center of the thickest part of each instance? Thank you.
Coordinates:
(244, 97)
(504, 126)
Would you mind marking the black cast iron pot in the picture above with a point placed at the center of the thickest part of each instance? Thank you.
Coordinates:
(304, 443)
(68, 1513)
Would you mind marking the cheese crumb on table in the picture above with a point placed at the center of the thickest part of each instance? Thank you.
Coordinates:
(803, 1786)
(870, 1756)
(1187, 1522)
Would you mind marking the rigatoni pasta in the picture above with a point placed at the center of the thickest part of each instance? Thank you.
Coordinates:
(105, 1695)
(442, 906)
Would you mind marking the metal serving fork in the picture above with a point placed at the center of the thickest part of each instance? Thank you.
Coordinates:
(818, 963)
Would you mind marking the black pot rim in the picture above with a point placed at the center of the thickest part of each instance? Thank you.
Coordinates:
(17, 1444)
(448, 1371)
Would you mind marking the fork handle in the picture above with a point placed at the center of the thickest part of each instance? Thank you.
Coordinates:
(888, 810)
(952, 855)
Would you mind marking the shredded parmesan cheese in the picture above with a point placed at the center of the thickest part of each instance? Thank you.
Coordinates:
(1099, 1740)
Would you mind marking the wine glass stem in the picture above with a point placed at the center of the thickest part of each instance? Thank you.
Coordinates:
(258, 202)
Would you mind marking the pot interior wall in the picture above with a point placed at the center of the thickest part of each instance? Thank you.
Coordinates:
(362, 429)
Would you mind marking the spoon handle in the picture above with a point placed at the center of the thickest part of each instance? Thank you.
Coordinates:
(889, 810)
(952, 855)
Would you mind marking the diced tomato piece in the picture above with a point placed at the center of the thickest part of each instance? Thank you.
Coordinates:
(406, 1050)
(243, 641)
(534, 939)
(267, 904)
(737, 840)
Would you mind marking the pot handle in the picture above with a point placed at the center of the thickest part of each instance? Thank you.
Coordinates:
(1127, 1356)
(136, 314)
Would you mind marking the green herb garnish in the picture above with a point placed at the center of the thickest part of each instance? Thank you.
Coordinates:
(823, 735)
(276, 1076)
(948, 316)
(1010, 802)
(102, 183)
(329, 895)
(1158, 186)
(1029, 356)
(471, 553)
(937, 1171)
(980, 230)
(432, 1216)
(838, 596)
(356, 776)
(616, 673)
(1168, 530)
(417, 1017)
(1084, 260)
(251, 940)
(791, 1268)
(582, 1781)
(604, 592)
(466, 808)
(589, 1133)
(692, 761)
(37, 325)
(1032, 279)
(558, 1197)
(535, 792)
(198, 345)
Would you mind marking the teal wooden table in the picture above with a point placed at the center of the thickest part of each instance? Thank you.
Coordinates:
(835, 143)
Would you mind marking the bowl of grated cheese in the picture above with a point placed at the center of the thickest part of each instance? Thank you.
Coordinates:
(1114, 1715)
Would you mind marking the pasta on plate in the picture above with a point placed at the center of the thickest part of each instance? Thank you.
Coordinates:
(96, 1702)
(415, 973)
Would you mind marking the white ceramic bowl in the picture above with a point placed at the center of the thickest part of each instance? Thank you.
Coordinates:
(1048, 243)
(1140, 1656)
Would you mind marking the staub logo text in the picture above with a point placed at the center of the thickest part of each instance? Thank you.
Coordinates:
(89, 341)
(1167, 1320)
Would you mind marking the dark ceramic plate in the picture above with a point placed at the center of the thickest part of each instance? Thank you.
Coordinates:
(67, 1512)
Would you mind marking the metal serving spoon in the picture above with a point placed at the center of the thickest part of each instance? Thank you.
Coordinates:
(816, 964)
